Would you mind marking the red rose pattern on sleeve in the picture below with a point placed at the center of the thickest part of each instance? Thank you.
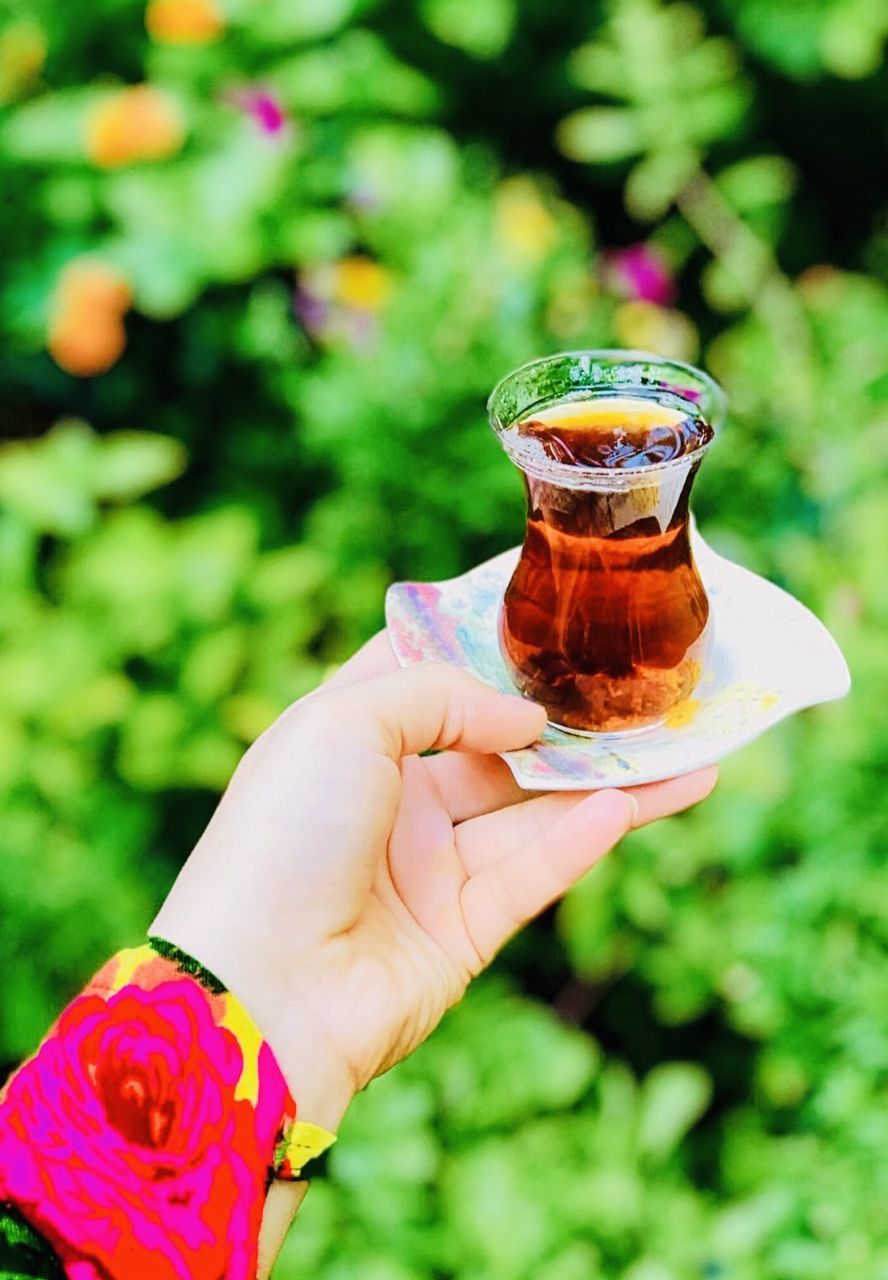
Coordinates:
(142, 1136)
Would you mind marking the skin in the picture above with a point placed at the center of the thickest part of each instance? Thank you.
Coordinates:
(348, 890)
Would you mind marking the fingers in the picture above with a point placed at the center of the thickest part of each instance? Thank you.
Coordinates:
(506, 894)
(375, 658)
(471, 784)
(486, 839)
(660, 799)
(430, 706)
(522, 858)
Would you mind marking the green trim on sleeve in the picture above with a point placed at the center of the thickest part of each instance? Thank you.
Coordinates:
(188, 965)
(24, 1254)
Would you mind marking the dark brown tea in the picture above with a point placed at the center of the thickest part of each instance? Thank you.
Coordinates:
(604, 620)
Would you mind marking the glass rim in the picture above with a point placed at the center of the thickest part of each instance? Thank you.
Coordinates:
(603, 478)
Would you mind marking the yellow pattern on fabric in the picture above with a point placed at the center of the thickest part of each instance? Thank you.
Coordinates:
(249, 1037)
(128, 962)
(302, 1142)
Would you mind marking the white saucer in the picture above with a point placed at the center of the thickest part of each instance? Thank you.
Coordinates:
(769, 657)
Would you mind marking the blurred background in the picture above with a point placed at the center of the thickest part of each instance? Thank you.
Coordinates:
(261, 263)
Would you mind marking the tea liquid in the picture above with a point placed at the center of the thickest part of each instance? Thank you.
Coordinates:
(605, 617)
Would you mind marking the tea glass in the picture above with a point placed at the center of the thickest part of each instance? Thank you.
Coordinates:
(605, 620)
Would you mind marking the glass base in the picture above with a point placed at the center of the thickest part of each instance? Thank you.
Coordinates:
(610, 734)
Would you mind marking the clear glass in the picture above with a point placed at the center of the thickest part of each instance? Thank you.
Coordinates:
(605, 620)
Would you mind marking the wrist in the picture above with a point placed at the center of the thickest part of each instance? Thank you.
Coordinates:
(318, 1079)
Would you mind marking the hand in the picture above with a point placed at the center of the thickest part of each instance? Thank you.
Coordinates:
(348, 890)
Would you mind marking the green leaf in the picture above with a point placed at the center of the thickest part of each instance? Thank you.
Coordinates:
(130, 463)
(788, 35)
(54, 483)
(49, 130)
(482, 30)
(852, 40)
(709, 63)
(600, 134)
(165, 274)
(757, 181)
(484, 1076)
(286, 21)
(654, 183)
(724, 288)
(47, 483)
(316, 235)
(407, 175)
(152, 741)
(214, 664)
(214, 552)
(673, 1098)
(587, 923)
(600, 69)
(580, 1260)
(493, 1205)
(717, 112)
(355, 71)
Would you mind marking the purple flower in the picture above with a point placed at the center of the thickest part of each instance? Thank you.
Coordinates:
(639, 272)
(312, 312)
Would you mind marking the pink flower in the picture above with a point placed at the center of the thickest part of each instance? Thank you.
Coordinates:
(262, 106)
(266, 110)
(125, 1138)
(639, 272)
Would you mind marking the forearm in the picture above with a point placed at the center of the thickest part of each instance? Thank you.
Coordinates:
(281, 1206)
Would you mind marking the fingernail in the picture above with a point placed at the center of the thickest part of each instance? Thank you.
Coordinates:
(634, 803)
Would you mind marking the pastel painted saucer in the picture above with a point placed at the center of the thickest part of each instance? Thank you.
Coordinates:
(769, 657)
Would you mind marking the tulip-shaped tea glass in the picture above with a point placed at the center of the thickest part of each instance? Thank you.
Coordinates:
(605, 620)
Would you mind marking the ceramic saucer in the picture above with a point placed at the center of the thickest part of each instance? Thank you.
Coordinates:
(769, 657)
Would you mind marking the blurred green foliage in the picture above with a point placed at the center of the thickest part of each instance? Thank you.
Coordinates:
(320, 236)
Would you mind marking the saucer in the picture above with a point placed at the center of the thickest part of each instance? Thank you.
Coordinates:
(769, 657)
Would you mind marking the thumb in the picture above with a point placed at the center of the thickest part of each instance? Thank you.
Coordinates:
(432, 706)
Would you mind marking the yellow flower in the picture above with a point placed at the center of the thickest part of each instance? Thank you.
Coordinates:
(572, 291)
(137, 123)
(644, 326)
(184, 21)
(523, 223)
(86, 333)
(361, 283)
(22, 55)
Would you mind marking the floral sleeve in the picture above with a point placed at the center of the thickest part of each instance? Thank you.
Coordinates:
(142, 1137)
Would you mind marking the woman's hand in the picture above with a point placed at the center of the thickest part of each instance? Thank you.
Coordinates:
(348, 890)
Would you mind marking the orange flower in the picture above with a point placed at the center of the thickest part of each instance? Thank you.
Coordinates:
(137, 123)
(87, 350)
(86, 333)
(89, 282)
(184, 21)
